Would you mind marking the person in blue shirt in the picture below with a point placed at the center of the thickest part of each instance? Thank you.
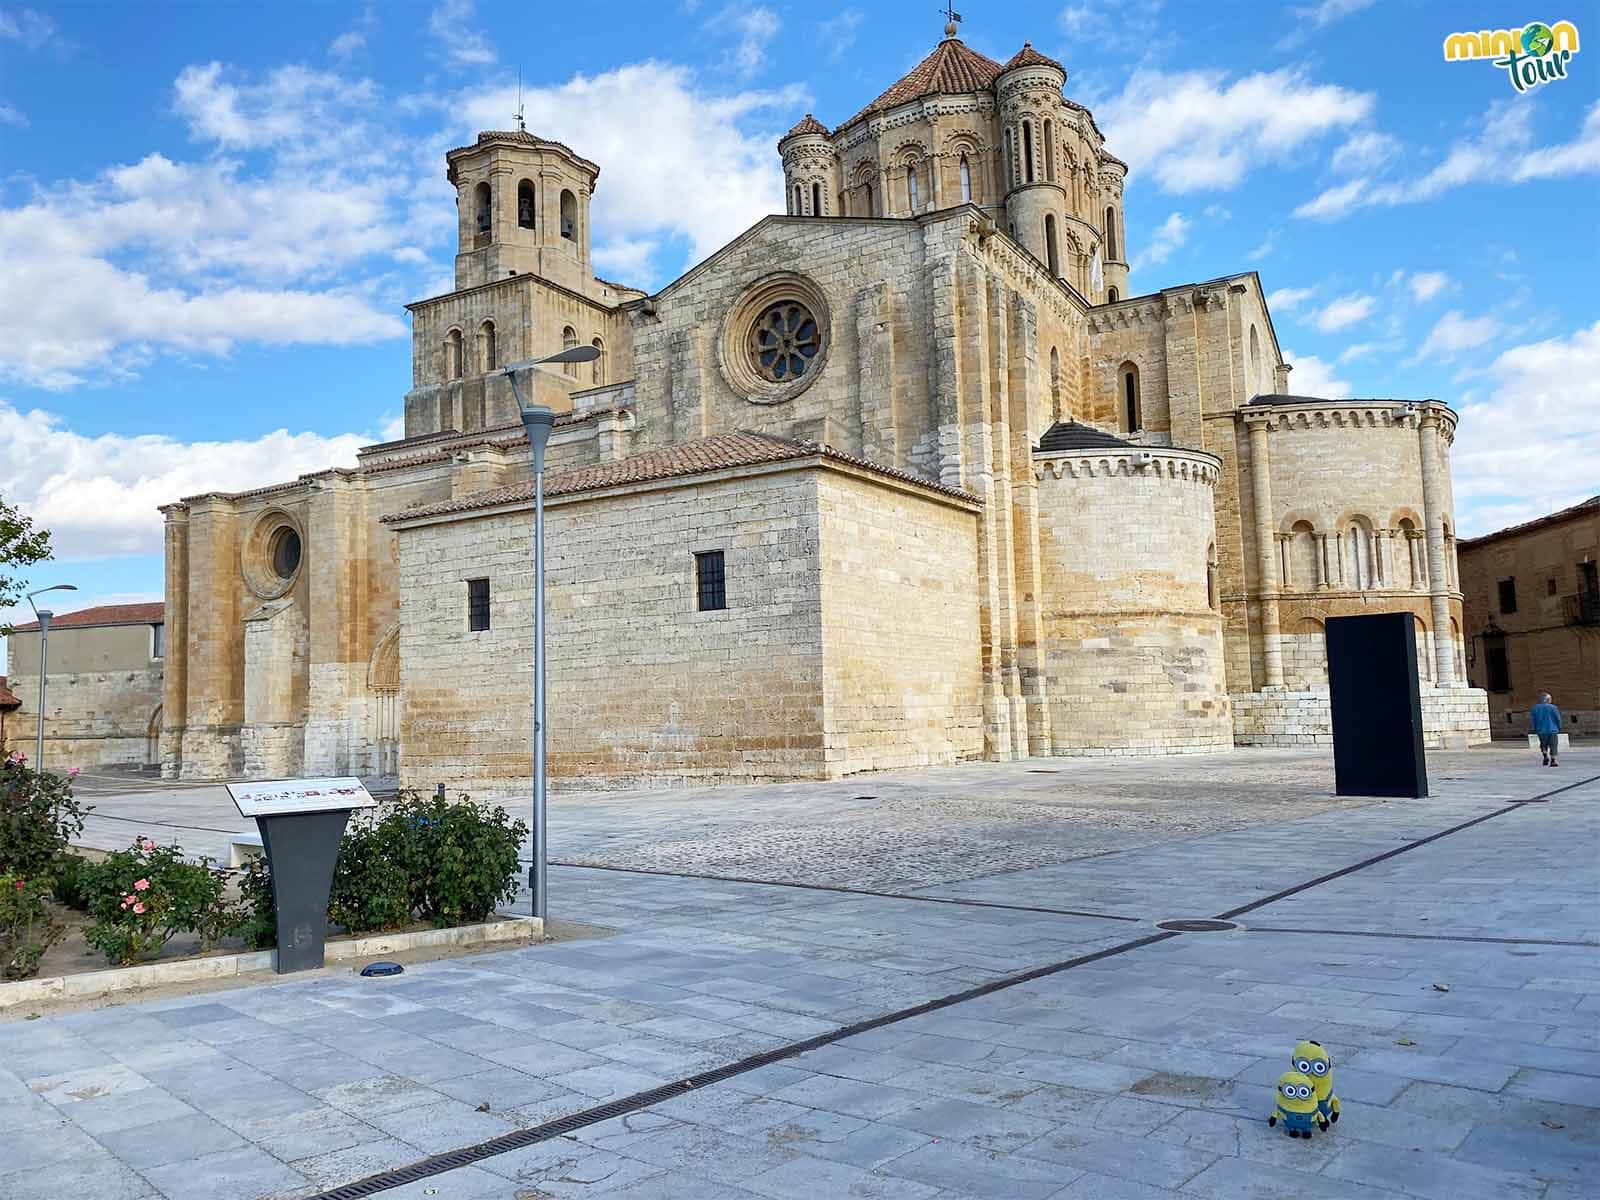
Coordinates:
(1546, 720)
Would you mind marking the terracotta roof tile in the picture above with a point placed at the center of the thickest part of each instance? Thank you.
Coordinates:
(952, 69)
(105, 614)
(1029, 57)
(718, 452)
(8, 698)
(808, 124)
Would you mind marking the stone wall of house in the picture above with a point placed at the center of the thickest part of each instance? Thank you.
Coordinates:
(1452, 718)
(92, 718)
(902, 675)
(1132, 648)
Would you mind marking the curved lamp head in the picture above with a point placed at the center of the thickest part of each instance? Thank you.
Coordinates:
(538, 420)
(44, 617)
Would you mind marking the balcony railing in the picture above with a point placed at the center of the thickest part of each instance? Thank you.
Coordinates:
(1582, 608)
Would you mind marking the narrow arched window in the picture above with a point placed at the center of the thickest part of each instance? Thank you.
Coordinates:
(1051, 257)
(1111, 234)
(1010, 172)
(569, 216)
(867, 192)
(1049, 152)
(912, 193)
(488, 351)
(816, 199)
(1055, 384)
(794, 208)
(599, 363)
(452, 354)
(1027, 151)
(485, 207)
(569, 339)
(525, 204)
(966, 181)
(1112, 295)
(1130, 397)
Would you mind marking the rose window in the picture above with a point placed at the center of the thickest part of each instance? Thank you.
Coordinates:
(783, 342)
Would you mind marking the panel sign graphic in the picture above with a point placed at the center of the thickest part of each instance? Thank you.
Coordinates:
(276, 797)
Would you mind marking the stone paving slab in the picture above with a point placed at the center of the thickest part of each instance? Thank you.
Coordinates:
(1151, 1069)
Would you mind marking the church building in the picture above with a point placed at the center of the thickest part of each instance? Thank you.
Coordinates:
(902, 475)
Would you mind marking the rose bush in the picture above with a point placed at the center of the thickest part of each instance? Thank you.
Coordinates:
(140, 897)
(38, 817)
(26, 928)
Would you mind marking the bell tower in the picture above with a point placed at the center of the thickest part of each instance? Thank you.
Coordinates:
(522, 206)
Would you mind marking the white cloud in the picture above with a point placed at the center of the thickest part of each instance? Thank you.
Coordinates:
(449, 24)
(1345, 311)
(1529, 446)
(1195, 129)
(1289, 299)
(1313, 377)
(1501, 152)
(755, 27)
(26, 25)
(1167, 237)
(626, 257)
(1359, 350)
(1454, 333)
(346, 44)
(1267, 245)
(838, 34)
(98, 496)
(1364, 151)
(1318, 17)
(11, 116)
(1425, 285)
(643, 123)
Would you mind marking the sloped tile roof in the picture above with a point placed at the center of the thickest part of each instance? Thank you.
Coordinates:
(715, 453)
(1029, 57)
(1588, 507)
(8, 698)
(1283, 398)
(952, 69)
(1074, 435)
(105, 614)
(807, 124)
(523, 138)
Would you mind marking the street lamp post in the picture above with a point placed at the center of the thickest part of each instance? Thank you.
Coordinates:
(538, 421)
(44, 615)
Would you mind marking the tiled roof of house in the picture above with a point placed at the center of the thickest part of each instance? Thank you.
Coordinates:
(808, 124)
(522, 137)
(8, 698)
(952, 69)
(1074, 435)
(718, 452)
(104, 614)
(1584, 508)
(1029, 57)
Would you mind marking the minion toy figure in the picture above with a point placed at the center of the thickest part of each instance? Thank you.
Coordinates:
(1309, 1058)
(1296, 1104)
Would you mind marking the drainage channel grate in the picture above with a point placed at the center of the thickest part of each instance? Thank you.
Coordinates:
(1203, 925)
(375, 1184)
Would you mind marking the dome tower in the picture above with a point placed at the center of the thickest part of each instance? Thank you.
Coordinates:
(1028, 91)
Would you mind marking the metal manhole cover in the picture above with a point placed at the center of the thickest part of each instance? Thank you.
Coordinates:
(1203, 926)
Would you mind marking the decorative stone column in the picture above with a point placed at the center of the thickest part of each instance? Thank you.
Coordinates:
(1438, 574)
(1415, 548)
(1261, 488)
(1322, 561)
(1283, 560)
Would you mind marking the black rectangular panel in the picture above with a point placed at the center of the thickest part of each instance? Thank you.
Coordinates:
(1376, 706)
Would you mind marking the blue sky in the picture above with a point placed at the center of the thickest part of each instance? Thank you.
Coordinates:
(212, 215)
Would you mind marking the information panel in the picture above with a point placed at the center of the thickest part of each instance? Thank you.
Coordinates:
(278, 797)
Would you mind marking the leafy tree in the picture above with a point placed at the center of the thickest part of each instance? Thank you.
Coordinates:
(21, 545)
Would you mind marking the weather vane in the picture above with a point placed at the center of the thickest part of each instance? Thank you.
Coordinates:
(952, 19)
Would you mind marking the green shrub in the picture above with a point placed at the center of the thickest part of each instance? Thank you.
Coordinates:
(372, 881)
(66, 886)
(140, 897)
(464, 860)
(26, 928)
(258, 916)
(38, 818)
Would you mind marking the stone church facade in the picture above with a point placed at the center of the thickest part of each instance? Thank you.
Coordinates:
(902, 476)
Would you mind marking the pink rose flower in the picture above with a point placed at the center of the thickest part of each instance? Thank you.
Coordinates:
(141, 885)
(138, 908)
(72, 772)
(19, 885)
(146, 844)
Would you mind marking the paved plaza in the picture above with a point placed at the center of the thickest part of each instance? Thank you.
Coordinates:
(970, 961)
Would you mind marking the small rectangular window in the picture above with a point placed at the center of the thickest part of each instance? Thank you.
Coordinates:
(1508, 595)
(158, 641)
(1499, 670)
(477, 604)
(710, 580)
(1549, 587)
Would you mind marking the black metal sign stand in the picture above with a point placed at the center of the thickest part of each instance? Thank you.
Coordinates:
(301, 849)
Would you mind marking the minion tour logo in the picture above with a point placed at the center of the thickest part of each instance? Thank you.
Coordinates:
(1534, 54)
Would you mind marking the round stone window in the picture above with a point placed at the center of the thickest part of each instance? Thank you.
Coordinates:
(775, 338)
(784, 341)
(285, 552)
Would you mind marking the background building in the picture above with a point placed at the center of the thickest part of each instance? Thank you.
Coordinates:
(103, 696)
(1533, 612)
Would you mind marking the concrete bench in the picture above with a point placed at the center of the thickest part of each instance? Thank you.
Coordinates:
(1563, 742)
(244, 846)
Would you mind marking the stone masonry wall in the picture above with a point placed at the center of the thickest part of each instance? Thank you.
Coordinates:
(1452, 718)
(901, 643)
(92, 718)
(643, 687)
